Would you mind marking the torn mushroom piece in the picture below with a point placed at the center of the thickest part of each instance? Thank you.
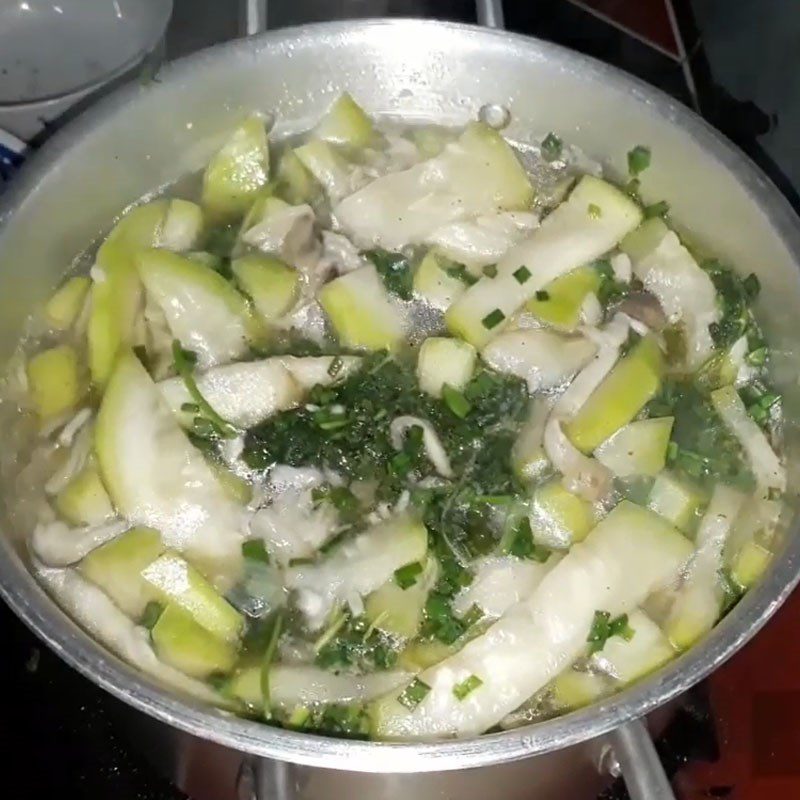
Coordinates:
(609, 340)
(645, 308)
(434, 449)
(274, 226)
(582, 475)
(58, 545)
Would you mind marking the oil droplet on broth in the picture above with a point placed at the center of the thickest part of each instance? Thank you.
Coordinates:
(494, 115)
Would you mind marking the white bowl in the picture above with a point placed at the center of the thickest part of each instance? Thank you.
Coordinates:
(54, 53)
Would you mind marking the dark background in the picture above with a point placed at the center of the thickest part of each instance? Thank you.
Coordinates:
(735, 61)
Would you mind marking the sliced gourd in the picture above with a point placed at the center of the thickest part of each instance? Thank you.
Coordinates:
(358, 566)
(476, 174)
(116, 567)
(575, 689)
(422, 653)
(544, 359)
(176, 581)
(243, 394)
(627, 660)
(303, 685)
(628, 555)
(765, 464)
(444, 362)
(567, 238)
(182, 228)
(622, 394)
(116, 291)
(639, 448)
(559, 303)
(180, 642)
(275, 227)
(310, 371)
(684, 290)
(295, 183)
(430, 141)
(54, 382)
(698, 601)
(499, 582)
(203, 311)
(236, 487)
(397, 609)
(560, 518)
(84, 500)
(361, 312)
(155, 477)
(433, 284)
(327, 166)
(750, 564)
(65, 305)
(528, 458)
(237, 172)
(676, 500)
(273, 286)
(345, 122)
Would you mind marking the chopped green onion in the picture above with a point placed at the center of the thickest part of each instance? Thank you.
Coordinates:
(732, 592)
(522, 275)
(407, 575)
(339, 619)
(255, 550)
(595, 212)
(413, 694)
(152, 611)
(752, 286)
(542, 295)
(335, 367)
(603, 628)
(552, 147)
(473, 616)
(632, 188)
(758, 357)
(659, 209)
(190, 408)
(185, 362)
(490, 271)
(493, 319)
(456, 401)
(523, 545)
(269, 657)
(466, 687)
(638, 160)
(299, 716)
(461, 273)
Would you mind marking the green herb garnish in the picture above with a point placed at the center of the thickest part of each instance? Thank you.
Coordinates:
(461, 273)
(522, 275)
(493, 319)
(407, 575)
(466, 687)
(255, 550)
(413, 694)
(523, 545)
(603, 628)
(490, 271)
(542, 295)
(209, 423)
(659, 209)
(638, 160)
(552, 147)
(150, 616)
(455, 401)
(395, 270)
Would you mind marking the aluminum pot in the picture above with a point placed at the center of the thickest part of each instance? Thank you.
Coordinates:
(148, 136)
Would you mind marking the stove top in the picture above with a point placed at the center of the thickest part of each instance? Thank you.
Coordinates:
(735, 736)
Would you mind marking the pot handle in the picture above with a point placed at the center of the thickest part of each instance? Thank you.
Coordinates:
(634, 757)
(490, 13)
(252, 17)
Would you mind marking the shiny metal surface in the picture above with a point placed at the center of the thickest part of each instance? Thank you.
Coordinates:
(639, 763)
(148, 136)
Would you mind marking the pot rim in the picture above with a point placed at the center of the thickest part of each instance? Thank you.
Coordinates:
(29, 601)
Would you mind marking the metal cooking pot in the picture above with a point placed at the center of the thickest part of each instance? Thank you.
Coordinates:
(148, 136)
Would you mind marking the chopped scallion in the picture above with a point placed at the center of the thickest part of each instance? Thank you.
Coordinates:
(255, 550)
(407, 575)
(490, 271)
(466, 687)
(638, 159)
(456, 401)
(552, 147)
(522, 275)
(493, 319)
(413, 694)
